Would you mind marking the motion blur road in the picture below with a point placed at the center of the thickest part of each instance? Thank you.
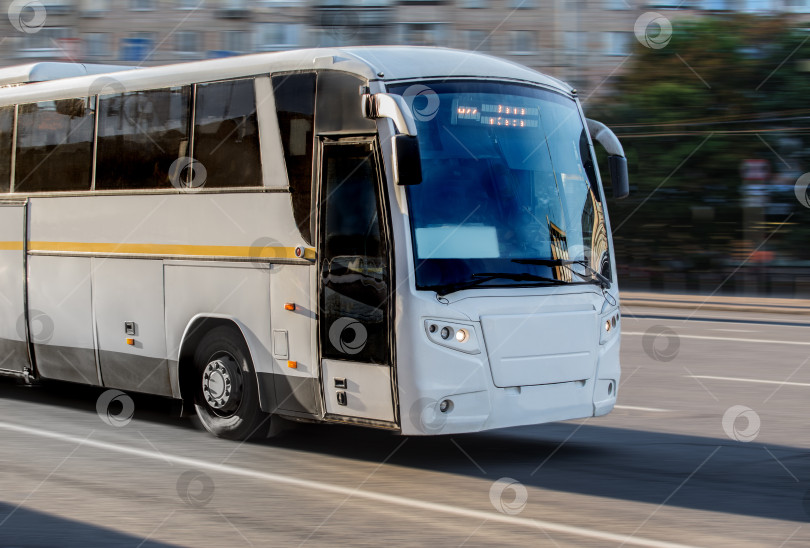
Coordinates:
(669, 467)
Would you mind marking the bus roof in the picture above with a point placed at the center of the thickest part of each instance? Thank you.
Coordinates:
(47, 81)
(42, 72)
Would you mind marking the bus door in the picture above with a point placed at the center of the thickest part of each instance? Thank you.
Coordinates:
(354, 265)
(13, 324)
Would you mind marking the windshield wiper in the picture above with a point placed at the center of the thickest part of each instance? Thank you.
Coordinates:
(489, 276)
(592, 277)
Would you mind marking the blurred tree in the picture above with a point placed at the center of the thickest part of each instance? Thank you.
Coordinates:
(725, 89)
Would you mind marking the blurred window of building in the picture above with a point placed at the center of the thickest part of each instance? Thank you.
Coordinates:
(797, 6)
(474, 4)
(58, 7)
(574, 42)
(522, 42)
(423, 34)
(617, 43)
(45, 42)
(276, 36)
(141, 5)
(137, 46)
(616, 4)
(522, 4)
(93, 8)
(189, 4)
(236, 41)
(187, 42)
(475, 40)
(96, 44)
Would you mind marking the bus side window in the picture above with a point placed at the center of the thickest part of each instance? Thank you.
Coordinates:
(140, 135)
(6, 134)
(55, 145)
(295, 108)
(226, 134)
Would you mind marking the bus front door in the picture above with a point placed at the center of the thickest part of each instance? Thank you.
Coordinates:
(355, 282)
(14, 328)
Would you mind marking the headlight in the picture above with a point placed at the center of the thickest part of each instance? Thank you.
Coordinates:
(461, 337)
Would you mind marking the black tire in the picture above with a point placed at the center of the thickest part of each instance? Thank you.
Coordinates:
(226, 396)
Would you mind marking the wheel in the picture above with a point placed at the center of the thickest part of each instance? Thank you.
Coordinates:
(226, 396)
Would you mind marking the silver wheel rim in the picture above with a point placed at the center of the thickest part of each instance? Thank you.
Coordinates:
(221, 384)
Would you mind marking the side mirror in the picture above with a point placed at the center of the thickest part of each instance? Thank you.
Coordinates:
(407, 160)
(617, 162)
(619, 178)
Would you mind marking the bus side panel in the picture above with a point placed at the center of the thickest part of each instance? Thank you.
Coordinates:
(12, 320)
(240, 291)
(59, 297)
(128, 304)
(296, 388)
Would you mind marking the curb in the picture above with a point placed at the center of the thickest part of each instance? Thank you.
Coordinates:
(692, 302)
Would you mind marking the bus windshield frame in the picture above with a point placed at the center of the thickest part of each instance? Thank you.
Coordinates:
(510, 195)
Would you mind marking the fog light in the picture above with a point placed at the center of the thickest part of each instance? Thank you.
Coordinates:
(607, 326)
(462, 335)
(447, 332)
(445, 406)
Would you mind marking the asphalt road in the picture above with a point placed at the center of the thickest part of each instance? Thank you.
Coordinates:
(670, 466)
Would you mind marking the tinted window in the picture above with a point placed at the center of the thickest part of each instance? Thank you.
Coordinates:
(295, 106)
(226, 134)
(55, 145)
(6, 135)
(140, 135)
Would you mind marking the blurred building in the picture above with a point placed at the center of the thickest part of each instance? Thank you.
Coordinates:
(581, 41)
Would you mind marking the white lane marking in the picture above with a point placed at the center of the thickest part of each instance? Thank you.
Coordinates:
(346, 491)
(647, 409)
(701, 337)
(757, 381)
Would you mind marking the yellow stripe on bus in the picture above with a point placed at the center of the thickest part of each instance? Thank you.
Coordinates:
(11, 246)
(253, 252)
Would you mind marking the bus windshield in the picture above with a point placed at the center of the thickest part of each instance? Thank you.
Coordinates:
(509, 193)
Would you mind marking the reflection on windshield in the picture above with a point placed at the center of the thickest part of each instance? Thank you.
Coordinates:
(508, 174)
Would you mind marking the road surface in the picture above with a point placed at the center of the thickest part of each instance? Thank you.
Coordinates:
(709, 446)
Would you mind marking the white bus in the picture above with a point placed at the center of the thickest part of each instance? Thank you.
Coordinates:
(412, 239)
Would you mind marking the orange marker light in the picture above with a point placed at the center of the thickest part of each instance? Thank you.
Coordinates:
(292, 365)
(131, 342)
(289, 306)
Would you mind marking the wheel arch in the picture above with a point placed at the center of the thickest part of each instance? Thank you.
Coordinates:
(195, 330)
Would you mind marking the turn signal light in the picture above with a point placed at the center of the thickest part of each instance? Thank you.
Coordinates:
(131, 342)
(290, 307)
(292, 365)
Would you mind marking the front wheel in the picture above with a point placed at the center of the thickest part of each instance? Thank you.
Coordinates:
(226, 395)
